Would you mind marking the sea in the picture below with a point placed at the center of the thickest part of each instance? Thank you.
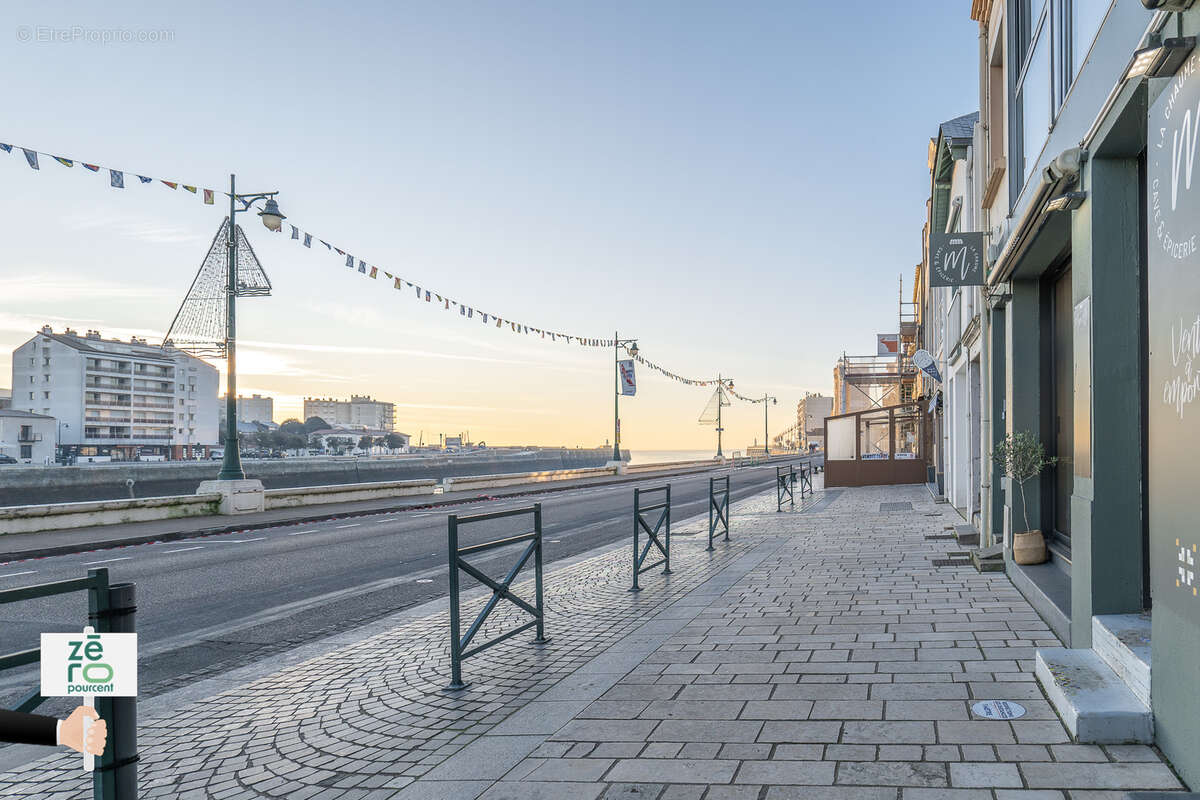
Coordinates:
(666, 456)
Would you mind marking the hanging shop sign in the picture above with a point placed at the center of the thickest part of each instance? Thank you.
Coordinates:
(1173, 300)
(956, 259)
(887, 344)
(926, 363)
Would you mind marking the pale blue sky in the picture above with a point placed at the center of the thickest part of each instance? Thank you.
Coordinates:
(740, 185)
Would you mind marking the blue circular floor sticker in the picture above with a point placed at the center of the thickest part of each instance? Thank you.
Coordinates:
(998, 709)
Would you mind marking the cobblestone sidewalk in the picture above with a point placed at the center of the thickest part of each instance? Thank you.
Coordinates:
(818, 654)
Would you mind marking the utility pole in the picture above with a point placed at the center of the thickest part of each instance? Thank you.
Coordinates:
(766, 434)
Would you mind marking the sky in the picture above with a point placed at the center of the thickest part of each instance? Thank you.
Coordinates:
(738, 186)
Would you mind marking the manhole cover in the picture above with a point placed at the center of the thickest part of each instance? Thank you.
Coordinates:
(998, 709)
(883, 507)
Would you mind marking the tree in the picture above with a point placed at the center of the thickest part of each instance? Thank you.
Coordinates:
(394, 441)
(315, 443)
(293, 426)
(1021, 456)
(315, 424)
(366, 443)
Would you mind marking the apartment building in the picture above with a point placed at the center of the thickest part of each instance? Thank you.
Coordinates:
(255, 408)
(811, 412)
(27, 437)
(117, 400)
(360, 411)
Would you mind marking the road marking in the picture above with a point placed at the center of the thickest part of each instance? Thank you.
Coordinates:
(238, 541)
(424, 580)
(184, 549)
(15, 574)
(351, 525)
(107, 561)
(300, 533)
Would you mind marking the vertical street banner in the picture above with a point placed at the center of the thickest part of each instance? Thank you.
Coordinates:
(956, 259)
(628, 381)
(1173, 305)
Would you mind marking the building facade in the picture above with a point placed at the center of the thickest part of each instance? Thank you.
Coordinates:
(360, 411)
(1078, 172)
(811, 412)
(27, 437)
(255, 408)
(117, 400)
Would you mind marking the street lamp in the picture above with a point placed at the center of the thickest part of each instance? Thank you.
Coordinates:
(272, 218)
(722, 383)
(632, 349)
(766, 435)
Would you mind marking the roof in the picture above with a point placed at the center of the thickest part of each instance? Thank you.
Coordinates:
(116, 347)
(12, 412)
(960, 127)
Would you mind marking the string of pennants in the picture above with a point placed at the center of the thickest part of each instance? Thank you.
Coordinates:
(117, 179)
(745, 399)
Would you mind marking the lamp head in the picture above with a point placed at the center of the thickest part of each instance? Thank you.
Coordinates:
(633, 349)
(271, 216)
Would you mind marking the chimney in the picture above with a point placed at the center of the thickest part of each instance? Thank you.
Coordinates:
(70, 332)
(47, 329)
(93, 334)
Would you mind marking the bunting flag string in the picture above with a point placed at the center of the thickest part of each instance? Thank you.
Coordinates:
(305, 239)
(745, 399)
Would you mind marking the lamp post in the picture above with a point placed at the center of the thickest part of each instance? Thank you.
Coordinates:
(618, 343)
(766, 436)
(720, 402)
(272, 218)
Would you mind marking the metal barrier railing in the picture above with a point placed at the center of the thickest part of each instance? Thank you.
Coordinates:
(652, 538)
(111, 609)
(785, 486)
(718, 507)
(806, 475)
(500, 589)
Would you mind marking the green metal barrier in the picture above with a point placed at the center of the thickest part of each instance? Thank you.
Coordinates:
(785, 486)
(652, 539)
(111, 609)
(500, 590)
(718, 507)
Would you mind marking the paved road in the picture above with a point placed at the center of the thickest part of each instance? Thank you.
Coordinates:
(210, 604)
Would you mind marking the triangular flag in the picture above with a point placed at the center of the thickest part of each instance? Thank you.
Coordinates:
(31, 157)
(191, 189)
(341, 252)
(6, 147)
(92, 167)
(144, 179)
(168, 184)
(116, 179)
(66, 162)
(327, 245)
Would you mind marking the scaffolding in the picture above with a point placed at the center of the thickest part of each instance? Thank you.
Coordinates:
(862, 383)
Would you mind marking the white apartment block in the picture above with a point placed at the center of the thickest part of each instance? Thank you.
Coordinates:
(255, 408)
(27, 437)
(360, 411)
(115, 399)
(810, 416)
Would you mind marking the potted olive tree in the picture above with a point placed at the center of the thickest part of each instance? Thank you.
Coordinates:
(1021, 456)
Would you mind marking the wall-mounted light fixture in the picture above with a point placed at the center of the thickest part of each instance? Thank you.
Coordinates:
(1168, 5)
(1160, 59)
(1067, 201)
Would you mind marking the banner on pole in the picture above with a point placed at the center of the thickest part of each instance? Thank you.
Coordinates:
(628, 380)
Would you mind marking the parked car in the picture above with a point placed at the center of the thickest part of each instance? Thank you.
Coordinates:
(8, 460)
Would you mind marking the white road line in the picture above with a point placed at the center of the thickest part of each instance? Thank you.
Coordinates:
(351, 525)
(15, 574)
(184, 549)
(301, 533)
(107, 561)
(238, 541)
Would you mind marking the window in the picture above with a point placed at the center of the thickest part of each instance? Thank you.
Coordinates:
(26, 451)
(874, 432)
(31, 397)
(1086, 17)
(840, 446)
(1033, 97)
(45, 395)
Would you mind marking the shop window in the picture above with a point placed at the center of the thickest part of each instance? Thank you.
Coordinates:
(908, 421)
(874, 435)
(840, 446)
